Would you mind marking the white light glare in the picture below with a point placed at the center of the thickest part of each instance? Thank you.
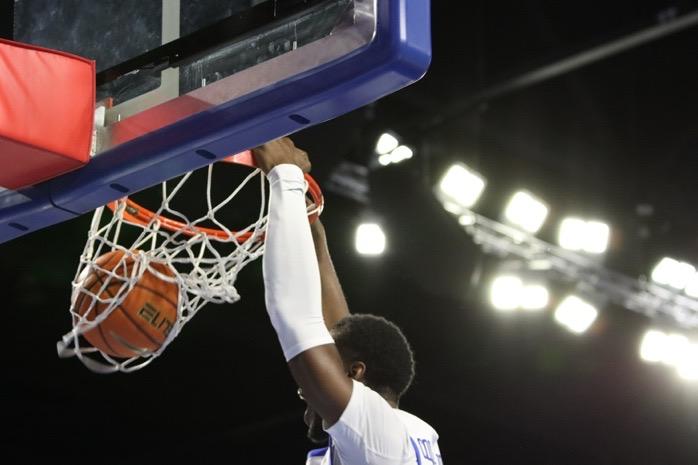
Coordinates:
(386, 144)
(675, 346)
(674, 350)
(467, 219)
(668, 349)
(692, 286)
(526, 211)
(384, 159)
(575, 314)
(653, 346)
(687, 366)
(401, 153)
(510, 293)
(397, 155)
(369, 239)
(505, 292)
(674, 273)
(461, 185)
(579, 235)
(534, 297)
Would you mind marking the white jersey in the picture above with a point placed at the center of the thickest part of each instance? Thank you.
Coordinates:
(371, 432)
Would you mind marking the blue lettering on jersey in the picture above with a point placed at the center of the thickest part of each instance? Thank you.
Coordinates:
(424, 448)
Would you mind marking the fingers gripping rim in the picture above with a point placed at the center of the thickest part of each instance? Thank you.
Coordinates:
(135, 213)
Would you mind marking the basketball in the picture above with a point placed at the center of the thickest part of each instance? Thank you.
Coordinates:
(141, 322)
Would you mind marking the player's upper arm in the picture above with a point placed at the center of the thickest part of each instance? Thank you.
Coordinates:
(326, 387)
(370, 432)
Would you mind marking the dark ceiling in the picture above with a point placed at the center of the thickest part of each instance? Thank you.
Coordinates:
(599, 141)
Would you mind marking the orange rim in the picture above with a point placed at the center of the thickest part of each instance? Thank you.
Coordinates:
(137, 214)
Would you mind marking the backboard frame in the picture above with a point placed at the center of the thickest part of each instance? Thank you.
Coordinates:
(209, 123)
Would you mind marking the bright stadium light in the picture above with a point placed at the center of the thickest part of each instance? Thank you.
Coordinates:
(599, 233)
(653, 346)
(461, 185)
(386, 143)
(674, 350)
(395, 155)
(467, 219)
(384, 159)
(452, 207)
(505, 292)
(526, 212)
(369, 239)
(692, 286)
(400, 153)
(673, 273)
(579, 235)
(675, 346)
(571, 234)
(534, 297)
(508, 292)
(575, 314)
(687, 365)
(684, 273)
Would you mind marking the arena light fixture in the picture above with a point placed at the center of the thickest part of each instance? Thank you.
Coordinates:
(526, 211)
(384, 160)
(687, 365)
(575, 314)
(653, 346)
(571, 234)
(674, 349)
(460, 186)
(534, 297)
(505, 292)
(400, 153)
(587, 236)
(387, 142)
(673, 273)
(692, 286)
(511, 292)
(467, 219)
(369, 239)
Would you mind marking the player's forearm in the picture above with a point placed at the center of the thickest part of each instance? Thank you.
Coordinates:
(291, 275)
(334, 304)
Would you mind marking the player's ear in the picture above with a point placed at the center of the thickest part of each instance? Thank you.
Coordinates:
(357, 371)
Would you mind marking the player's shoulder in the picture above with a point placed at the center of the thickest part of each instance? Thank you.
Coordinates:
(416, 425)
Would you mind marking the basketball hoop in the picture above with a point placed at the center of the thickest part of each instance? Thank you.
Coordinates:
(138, 215)
(163, 244)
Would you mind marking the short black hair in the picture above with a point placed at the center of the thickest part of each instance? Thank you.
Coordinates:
(382, 346)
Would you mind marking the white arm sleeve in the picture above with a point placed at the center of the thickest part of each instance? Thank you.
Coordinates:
(291, 274)
(370, 432)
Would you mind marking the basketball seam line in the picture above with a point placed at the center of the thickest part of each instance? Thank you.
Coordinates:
(101, 282)
(96, 307)
(101, 331)
(128, 317)
(97, 312)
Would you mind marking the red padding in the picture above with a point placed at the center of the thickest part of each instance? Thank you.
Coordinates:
(47, 103)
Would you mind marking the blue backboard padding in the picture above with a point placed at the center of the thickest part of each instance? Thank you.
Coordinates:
(32, 203)
(399, 55)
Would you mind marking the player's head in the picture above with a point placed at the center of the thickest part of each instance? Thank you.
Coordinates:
(380, 351)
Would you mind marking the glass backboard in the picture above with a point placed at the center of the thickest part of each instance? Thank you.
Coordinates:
(185, 83)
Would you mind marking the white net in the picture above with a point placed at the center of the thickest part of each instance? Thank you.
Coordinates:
(194, 262)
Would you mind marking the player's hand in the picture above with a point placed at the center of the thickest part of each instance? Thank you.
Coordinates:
(278, 152)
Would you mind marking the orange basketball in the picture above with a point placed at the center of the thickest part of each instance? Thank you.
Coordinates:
(141, 323)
